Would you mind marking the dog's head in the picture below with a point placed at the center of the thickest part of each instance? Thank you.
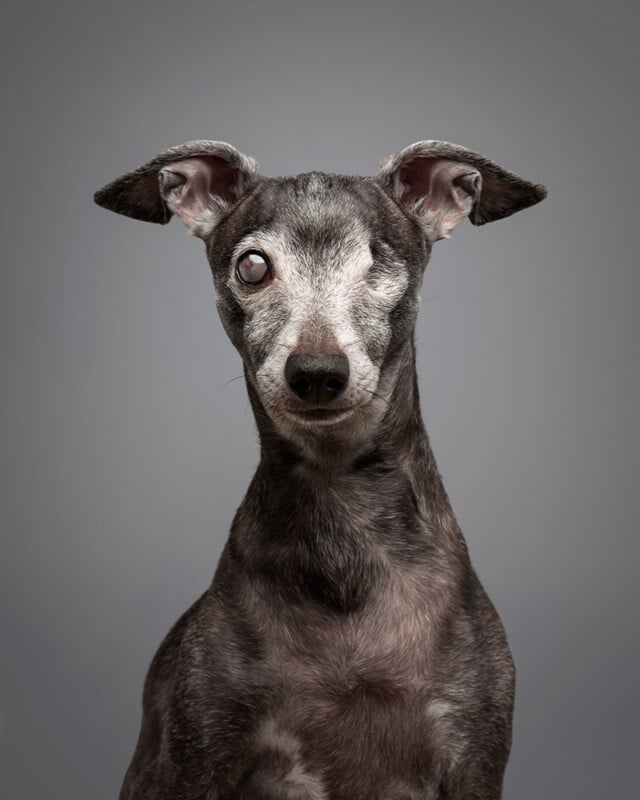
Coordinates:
(318, 276)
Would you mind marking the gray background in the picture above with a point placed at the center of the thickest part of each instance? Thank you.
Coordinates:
(125, 453)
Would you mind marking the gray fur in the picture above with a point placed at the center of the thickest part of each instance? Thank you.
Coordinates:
(345, 649)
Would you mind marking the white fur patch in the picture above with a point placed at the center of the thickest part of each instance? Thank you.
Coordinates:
(302, 784)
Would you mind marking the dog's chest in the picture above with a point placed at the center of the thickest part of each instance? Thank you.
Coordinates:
(356, 690)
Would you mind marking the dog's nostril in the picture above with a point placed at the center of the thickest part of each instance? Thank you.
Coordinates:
(333, 385)
(317, 379)
(302, 386)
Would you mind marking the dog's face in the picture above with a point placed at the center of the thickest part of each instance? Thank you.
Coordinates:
(317, 283)
(318, 276)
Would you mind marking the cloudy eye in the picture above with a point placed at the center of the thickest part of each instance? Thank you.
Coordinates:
(253, 268)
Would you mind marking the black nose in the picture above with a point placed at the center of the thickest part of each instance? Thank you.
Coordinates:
(317, 379)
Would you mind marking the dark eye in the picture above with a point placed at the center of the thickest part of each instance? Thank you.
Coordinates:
(252, 268)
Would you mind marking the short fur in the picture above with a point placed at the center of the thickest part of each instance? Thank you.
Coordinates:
(345, 649)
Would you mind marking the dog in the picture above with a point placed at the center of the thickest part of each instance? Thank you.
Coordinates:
(345, 649)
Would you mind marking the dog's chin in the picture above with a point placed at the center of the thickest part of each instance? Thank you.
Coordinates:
(297, 421)
(346, 426)
(323, 427)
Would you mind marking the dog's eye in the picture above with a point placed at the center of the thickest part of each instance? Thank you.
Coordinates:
(252, 268)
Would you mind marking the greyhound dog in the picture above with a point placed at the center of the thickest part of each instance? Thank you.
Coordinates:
(345, 649)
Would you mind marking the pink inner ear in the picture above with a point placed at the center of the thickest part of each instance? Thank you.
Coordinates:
(225, 180)
(441, 190)
(198, 189)
(205, 177)
(412, 180)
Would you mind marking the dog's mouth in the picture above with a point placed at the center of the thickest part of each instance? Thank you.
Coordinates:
(320, 416)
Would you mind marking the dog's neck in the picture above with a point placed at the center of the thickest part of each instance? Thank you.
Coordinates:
(317, 528)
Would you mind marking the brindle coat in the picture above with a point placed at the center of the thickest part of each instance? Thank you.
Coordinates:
(345, 649)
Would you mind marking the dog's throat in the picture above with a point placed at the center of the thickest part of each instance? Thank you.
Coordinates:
(332, 543)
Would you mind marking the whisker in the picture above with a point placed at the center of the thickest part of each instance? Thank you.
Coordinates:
(231, 380)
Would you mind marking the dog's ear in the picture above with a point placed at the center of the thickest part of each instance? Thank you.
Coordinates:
(442, 183)
(198, 181)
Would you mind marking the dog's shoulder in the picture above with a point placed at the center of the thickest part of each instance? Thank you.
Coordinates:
(161, 673)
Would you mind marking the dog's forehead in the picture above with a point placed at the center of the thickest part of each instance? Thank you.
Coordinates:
(312, 211)
(321, 213)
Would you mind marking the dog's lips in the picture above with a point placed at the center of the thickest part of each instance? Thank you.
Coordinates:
(321, 415)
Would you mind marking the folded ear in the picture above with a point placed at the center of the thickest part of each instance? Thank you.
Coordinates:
(198, 181)
(442, 183)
